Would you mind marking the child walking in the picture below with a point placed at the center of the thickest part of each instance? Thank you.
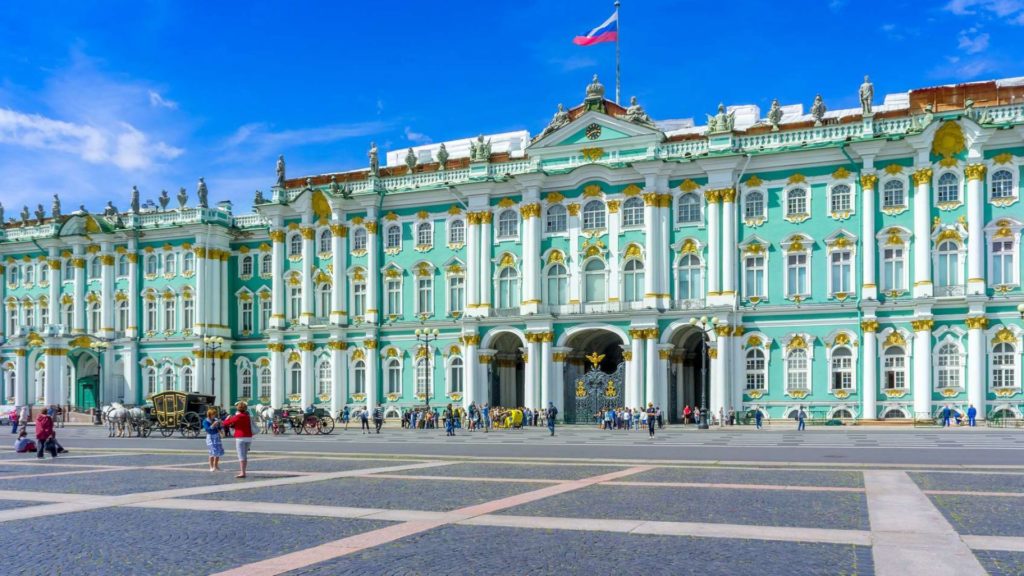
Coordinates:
(213, 426)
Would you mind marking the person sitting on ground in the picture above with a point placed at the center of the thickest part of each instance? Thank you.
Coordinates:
(24, 444)
(45, 435)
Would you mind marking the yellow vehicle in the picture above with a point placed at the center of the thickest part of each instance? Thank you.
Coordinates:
(181, 411)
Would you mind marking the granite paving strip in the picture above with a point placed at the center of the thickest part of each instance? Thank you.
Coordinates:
(521, 470)
(909, 535)
(44, 496)
(76, 471)
(1001, 563)
(967, 482)
(987, 542)
(762, 476)
(464, 479)
(973, 493)
(346, 546)
(736, 486)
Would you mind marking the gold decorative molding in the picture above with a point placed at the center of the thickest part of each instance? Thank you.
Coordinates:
(841, 173)
(1004, 336)
(975, 171)
(712, 196)
(530, 211)
(797, 178)
(868, 181)
(869, 326)
(688, 185)
(753, 181)
(275, 236)
(728, 195)
(976, 322)
(922, 176)
(893, 169)
(592, 154)
(894, 339)
(948, 142)
(1004, 158)
(613, 206)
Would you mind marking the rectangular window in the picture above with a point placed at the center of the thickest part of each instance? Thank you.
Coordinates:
(424, 296)
(753, 285)
(892, 262)
(456, 293)
(151, 316)
(247, 317)
(359, 299)
(169, 319)
(188, 314)
(393, 291)
(1002, 263)
(842, 272)
(265, 307)
(294, 303)
(797, 274)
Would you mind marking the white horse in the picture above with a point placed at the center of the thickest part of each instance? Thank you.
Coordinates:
(116, 416)
(264, 416)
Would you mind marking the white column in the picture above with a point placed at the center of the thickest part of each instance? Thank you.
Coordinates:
(922, 377)
(130, 360)
(714, 249)
(372, 281)
(470, 369)
(277, 295)
(975, 236)
(635, 366)
(869, 373)
(614, 293)
(546, 395)
(372, 369)
(664, 380)
(276, 373)
(977, 374)
(664, 267)
(79, 286)
(869, 251)
(558, 356)
(21, 380)
(56, 280)
(308, 371)
(651, 364)
(531, 377)
(575, 269)
(729, 242)
(202, 369)
(716, 380)
(132, 330)
(204, 290)
(472, 260)
(307, 313)
(485, 361)
(922, 234)
(652, 237)
(485, 261)
(339, 241)
(531, 256)
(339, 374)
(106, 327)
(225, 290)
(725, 366)
(56, 388)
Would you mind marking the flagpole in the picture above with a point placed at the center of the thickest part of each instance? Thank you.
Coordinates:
(618, 27)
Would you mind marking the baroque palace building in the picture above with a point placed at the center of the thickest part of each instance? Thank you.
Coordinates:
(864, 263)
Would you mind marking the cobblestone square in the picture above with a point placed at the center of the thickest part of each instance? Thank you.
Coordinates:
(850, 479)
(517, 470)
(981, 482)
(118, 482)
(982, 515)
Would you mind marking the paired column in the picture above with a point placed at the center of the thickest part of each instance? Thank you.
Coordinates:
(635, 365)
(723, 368)
(277, 289)
(652, 363)
(922, 367)
(975, 233)
(306, 316)
(558, 356)
(339, 241)
(53, 302)
(276, 373)
(55, 388)
(869, 251)
(664, 266)
(486, 242)
(711, 198)
(976, 373)
(372, 286)
(652, 239)
(531, 258)
(339, 371)
(79, 285)
(472, 260)
(546, 392)
(471, 369)
(869, 374)
(485, 357)
(372, 371)
(21, 380)
(106, 327)
(613, 293)
(132, 329)
(575, 269)
(922, 234)
(306, 348)
(729, 243)
(533, 361)
(130, 355)
(716, 383)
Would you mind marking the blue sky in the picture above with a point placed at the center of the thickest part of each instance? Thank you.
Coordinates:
(98, 96)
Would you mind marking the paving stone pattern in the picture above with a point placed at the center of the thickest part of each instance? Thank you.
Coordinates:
(116, 483)
(724, 506)
(493, 550)
(434, 495)
(142, 541)
(845, 479)
(969, 482)
(982, 515)
(8, 504)
(46, 467)
(519, 470)
(321, 464)
(999, 563)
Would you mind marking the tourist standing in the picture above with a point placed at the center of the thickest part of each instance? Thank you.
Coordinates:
(551, 414)
(652, 416)
(45, 435)
(242, 426)
(378, 418)
(213, 427)
(757, 418)
(687, 413)
(972, 414)
(487, 417)
(945, 416)
(364, 419)
(449, 421)
(800, 417)
(13, 415)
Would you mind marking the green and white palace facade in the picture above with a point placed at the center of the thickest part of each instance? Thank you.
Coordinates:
(864, 263)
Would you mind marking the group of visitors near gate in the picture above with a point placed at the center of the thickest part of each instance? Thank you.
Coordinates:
(477, 417)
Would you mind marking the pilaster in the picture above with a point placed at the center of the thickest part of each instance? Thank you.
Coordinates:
(922, 234)
(339, 246)
(922, 367)
(277, 319)
(976, 283)
(977, 323)
(869, 373)
(714, 256)
(306, 316)
(869, 253)
(486, 246)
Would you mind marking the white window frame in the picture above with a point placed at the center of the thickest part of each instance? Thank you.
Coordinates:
(747, 293)
(324, 378)
(515, 288)
(245, 267)
(797, 216)
(904, 369)
(840, 213)
(393, 286)
(563, 216)
(960, 368)
(460, 229)
(325, 241)
(360, 240)
(961, 258)
(451, 370)
(752, 375)
(677, 209)
(830, 358)
(358, 377)
(393, 367)
(292, 253)
(787, 373)
(894, 208)
(758, 218)
(679, 275)
(393, 237)
(457, 304)
(1014, 170)
(633, 212)
(586, 297)
(420, 226)
(506, 218)
(638, 279)
(594, 225)
(550, 298)
(960, 184)
(806, 250)
(424, 283)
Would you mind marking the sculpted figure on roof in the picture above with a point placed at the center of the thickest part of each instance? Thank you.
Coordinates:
(867, 93)
(374, 160)
(480, 151)
(561, 118)
(40, 214)
(595, 96)
(721, 122)
(280, 171)
(182, 197)
(164, 199)
(259, 198)
(442, 156)
(202, 192)
(56, 207)
(109, 210)
(636, 114)
(775, 115)
(410, 160)
(24, 216)
(818, 110)
(135, 199)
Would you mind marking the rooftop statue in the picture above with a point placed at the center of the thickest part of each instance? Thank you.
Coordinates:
(333, 187)
(374, 160)
(442, 156)
(280, 171)
(636, 114)
(721, 122)
(40, 214)
(866, 93)
(109, 210)
(56, 207)
(164, 199)
(561, 118)
(818, 110)
(135, 199)
(775, 115)
(202, 192)
(182, 197)
(595, 96)
(410, 160)
(480, 151)
(24, 216)
(259, 198)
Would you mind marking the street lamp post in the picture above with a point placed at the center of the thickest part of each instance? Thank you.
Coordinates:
(210, 346)
(100, 348)
(1020, 310)
(706, 326)
(425, 336)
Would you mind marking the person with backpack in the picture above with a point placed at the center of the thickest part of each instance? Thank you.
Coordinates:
(551, 414)
(364, 420)
(378, 418)
(652, 418)
(800, 417)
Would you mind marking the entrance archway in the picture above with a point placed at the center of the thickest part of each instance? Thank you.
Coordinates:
(84, 381)
(685, 387)
(588, 388)
(507, 374)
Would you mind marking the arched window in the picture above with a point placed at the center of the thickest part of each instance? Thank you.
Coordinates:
(593, 281)
(457, 232)
(422, 378)
(555, 218)
(1003, 271)
(893, 195)
(893, 413)
(796, 370)
(633, 281)
(948, 273)
(755, 369)
(754, 206)
(393, 237)
(508, 288)
(188, 312)
(30, 314)
(188, 263)
(1002, 184)
(394, 376)
(359, 239)
(152, 265)
(44, 274)
(948, 188)
(150, 381)
(122, 265)
(323, 379)
(895, 368)
(1003, 373)
(842, 413)
(69, 272)
(842, 369)
(948, 366)
(455, 376)
(393, 296)
(689, 278)
(294, 379)
(359, 377)
(151, 316)
(688, 209)
(424, 234)
(246, 266)
(558, 286)
(170, 264)
(325, 241)
(94, 270)
(265, 383)
(593, 215)
(295, 244)
(266, 265)
(245, 383)
(167, 378)
(508, 224)
(188, 381)
(796, 202)
(841, 198)
(323, 300)
(633, 212)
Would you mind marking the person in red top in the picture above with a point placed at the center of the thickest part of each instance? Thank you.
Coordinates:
(242, 425)
(45, 435)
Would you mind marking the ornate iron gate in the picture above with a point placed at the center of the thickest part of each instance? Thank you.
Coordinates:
(596, 390)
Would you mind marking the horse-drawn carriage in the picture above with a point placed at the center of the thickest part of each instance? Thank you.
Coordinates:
(180, 411)
(278, 421)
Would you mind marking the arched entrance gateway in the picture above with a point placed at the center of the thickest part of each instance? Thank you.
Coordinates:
(686, 359)
(595, 374)
(507, 375)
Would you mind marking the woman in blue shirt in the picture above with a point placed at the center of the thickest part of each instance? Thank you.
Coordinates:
(212, 425)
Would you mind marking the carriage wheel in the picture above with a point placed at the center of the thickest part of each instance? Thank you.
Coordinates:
(166, 431)
(297, 426)
(326, 425)
(193, 424)
(311, 425)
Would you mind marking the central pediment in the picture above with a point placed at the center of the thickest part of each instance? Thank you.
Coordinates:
(594, 128)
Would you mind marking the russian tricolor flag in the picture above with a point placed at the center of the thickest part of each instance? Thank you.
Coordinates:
(607, 32)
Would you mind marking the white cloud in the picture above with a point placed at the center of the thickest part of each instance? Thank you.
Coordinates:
(416, 137)
(959, 69)
(158, 101)
(972, 42)
(256, 140)
(1010, 10)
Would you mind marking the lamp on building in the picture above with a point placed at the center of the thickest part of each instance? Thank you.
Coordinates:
(1020, 310)
(424, 336)
(210, 346)
(706, 326)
